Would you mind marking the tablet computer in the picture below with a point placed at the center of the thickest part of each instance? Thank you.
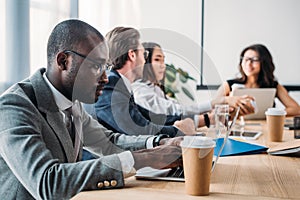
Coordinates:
(245, 134)
(264, 99)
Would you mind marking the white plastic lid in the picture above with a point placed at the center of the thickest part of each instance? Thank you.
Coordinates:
(197, 142)
(275, 111)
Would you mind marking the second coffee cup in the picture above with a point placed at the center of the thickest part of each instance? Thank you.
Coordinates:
(197, 153)
(275, 122)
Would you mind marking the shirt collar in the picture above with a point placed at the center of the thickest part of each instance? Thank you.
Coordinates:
(126, 82)
(61, 101)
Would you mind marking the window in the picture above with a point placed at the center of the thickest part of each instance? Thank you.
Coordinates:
(44, 15)
(2, 42)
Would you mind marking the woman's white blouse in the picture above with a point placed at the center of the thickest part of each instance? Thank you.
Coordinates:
(151, 97)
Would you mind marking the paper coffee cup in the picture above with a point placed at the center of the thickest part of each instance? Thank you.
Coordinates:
(197, 154)
(275, 121)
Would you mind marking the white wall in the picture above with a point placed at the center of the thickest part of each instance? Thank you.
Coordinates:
(232, 25)
(181, 16)
(229, 26)
(174, 24)
(171, 23)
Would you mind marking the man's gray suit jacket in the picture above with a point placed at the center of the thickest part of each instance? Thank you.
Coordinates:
(36, 149)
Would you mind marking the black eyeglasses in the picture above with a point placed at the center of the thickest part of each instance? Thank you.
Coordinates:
(98, 66)
(252, 60)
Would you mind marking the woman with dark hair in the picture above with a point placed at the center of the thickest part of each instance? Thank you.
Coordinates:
(149, 90)
(151, 72)
(257, 71)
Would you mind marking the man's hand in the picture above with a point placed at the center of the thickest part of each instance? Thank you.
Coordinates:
(171, 141)
(187, 126)
(159, 157)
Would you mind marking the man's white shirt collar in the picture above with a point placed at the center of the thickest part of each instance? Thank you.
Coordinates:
(61, 101)
(127, 82)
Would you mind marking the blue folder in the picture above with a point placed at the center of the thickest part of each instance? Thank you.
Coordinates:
(235, 147)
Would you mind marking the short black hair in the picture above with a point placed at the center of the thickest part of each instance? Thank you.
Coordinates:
(67, 35)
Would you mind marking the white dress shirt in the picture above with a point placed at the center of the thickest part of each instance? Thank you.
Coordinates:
(151, 97)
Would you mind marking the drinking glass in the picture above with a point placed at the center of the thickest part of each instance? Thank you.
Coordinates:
(221, 119)
(220, 129)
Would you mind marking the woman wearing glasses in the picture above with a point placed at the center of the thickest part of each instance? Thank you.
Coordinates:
(149, 91)
(256, 68)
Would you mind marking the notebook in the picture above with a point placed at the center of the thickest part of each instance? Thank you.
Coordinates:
(264, 99)
(235, 147)
(290, 148)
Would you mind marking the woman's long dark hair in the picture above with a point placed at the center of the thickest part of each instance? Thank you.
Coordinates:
(266, 77)
(148, 73)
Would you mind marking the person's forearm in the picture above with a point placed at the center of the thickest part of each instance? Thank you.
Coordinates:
(290, 111)
(202, 120)
(218, 100)
(165, 156)
(140, 161)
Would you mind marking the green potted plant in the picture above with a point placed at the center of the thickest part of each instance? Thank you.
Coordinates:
(171, 87)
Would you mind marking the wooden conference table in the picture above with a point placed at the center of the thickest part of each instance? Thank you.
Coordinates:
(259, 176)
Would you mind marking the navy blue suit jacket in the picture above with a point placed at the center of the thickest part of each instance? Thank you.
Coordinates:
(117, 110)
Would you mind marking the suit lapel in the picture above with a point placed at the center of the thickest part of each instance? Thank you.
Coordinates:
(55, 120)
(46, 104)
